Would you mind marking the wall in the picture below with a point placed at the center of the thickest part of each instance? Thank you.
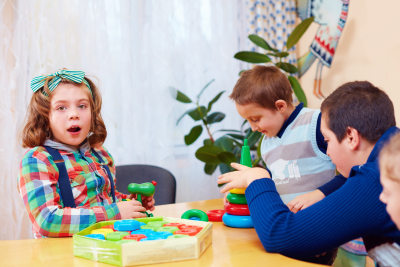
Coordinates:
(368, 50)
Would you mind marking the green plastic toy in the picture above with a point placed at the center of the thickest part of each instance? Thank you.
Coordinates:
(145, 189)
(236, 198)
(245, 158)
(195, 213)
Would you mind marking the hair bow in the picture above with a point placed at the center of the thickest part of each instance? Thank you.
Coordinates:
(72, 75)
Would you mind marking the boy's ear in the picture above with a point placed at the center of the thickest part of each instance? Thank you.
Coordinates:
(280, 105)
(353, 138)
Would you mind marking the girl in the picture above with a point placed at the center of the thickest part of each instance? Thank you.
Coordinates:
(66, 178)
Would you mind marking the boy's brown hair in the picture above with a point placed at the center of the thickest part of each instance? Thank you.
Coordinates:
(37, 127)
(263, 86)
(389, 158)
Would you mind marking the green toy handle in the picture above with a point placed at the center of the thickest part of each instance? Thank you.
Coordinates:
(145, 189)
(245, 158)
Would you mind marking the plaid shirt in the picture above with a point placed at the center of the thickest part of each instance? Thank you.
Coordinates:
(38, 184)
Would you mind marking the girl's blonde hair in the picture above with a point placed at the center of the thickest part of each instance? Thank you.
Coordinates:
(37, 127)
(389, 158)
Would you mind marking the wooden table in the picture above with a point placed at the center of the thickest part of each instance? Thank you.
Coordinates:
(230, 246)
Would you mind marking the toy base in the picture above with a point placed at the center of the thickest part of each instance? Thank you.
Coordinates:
(237, 221)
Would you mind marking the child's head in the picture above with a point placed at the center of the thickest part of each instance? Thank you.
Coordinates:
(389, 159)
(354, 117)
(263, 96)
(65, 112)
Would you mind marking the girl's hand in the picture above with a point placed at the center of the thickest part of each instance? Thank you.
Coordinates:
(148, 202)
(131, 209)
(304, 201)
(241, 178)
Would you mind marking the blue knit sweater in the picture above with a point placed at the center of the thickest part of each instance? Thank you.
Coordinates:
(353, 211)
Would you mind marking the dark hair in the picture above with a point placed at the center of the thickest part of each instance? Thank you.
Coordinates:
(264, 86)
(359, 105)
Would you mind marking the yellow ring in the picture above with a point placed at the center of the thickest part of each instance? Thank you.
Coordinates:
(239, 191)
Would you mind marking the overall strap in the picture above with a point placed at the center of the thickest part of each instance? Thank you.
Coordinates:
(108, 173)
(63, 179)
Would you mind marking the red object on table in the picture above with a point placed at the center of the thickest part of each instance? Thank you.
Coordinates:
(154, 183)
(108, 227)
(190, 232)
(193, 227)
(215, 215)
(134, 237)
(237, 209)
(179, 225)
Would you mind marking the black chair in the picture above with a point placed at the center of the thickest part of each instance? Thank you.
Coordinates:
(166, 185)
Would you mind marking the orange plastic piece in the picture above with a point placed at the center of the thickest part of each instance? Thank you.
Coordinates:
(111, 226)
(134, 237)
(179, 225)
(190, 232)
(194, 227)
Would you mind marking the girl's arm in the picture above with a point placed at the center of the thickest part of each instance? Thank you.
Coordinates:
(37, 181)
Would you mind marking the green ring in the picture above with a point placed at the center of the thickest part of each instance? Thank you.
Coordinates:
(195, 213)
(236, 198)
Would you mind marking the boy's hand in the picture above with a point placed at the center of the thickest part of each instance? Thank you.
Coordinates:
(241, 178)
(148, 202)
(131, 209)
(304, 201)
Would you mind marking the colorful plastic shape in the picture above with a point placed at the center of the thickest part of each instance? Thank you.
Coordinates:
(174, 224)
(190, 232)
(163, 234)
(194, 227)
(195, 213)
(116, 236)
(237, 221)
(145, 189)
(236, 199)
(177, 236)
(103, 231)
(245, 159)
(134, 237)
(126, 225)
(143, 227)
(142, 223)
(239, 191)
(170, 229)
(152, 238)
(215, 215)
(110, 226)
(96, 236)
(194, 218)
(237, 209)
(156, 223)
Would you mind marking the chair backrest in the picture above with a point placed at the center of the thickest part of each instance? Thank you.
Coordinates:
(166, 185)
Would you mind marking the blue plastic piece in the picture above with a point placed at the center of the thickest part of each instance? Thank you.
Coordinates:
(142, 223)
(194, 218)
(152, 238)
(96, 236)
(237, 221)
(162, 234)
(145, 232)
(126, 225)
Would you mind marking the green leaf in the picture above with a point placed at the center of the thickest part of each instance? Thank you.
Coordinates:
(287, 67)
(256, 162)
(259, 148)
(237, 136)
(240, 72)
(222, 130)
(253, 138)
(296, 34)
(209, 154)
(195, 114)
(195, 132)
(241, 128)
(278, 54)
(207, 142)
(210, 168)
(298, 91)
(214, 100)
(252, 57)
(226, 157)
(257, 40)
(202, 90)
(225, 143)
(215, 117)
(178, 95)
(187, 112)
(223, 168)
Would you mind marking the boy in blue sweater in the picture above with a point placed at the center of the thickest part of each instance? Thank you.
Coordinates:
(357, 120)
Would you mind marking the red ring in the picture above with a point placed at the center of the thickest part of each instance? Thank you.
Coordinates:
(237, 209)
(215, 215)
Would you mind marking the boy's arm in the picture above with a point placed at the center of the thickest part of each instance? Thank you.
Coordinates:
(38, 188)
(352, 211)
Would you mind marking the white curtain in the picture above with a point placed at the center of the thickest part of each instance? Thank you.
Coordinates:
(136, 49)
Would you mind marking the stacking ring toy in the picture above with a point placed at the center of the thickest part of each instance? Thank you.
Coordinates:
(215, 215)
(237, 209)
(195, 213)
(239, 191)
(237, 221)
(236, 198)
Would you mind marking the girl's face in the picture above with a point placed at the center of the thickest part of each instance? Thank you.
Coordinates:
(391, 196)
(70, 114)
